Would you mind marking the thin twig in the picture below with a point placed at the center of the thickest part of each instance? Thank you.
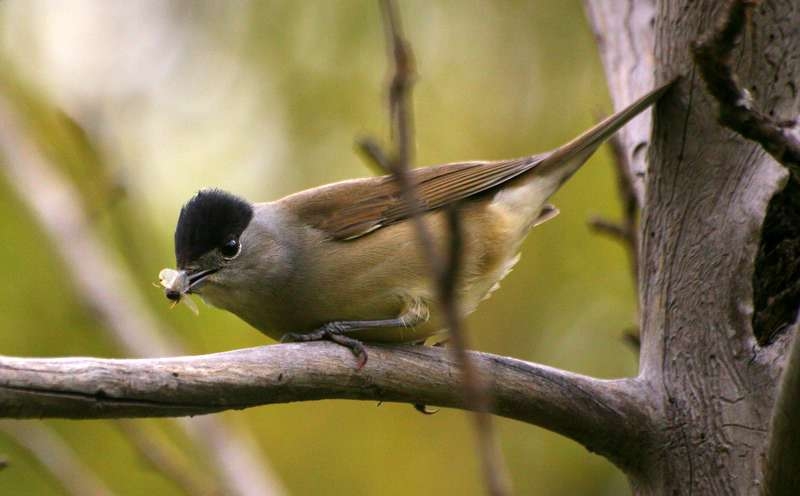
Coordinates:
(625, 231)
(714, 58)
(401, 120)
(613, 230)
(630, 205)
(476, 391)
(109, 290)
(444, 270)
(376, 157)
(56, 456)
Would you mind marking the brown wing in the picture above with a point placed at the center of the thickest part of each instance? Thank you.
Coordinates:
(350, 209)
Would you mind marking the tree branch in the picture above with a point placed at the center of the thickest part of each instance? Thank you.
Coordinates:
(603, 415)
(445, 269)
(714, 58)
(627, 230)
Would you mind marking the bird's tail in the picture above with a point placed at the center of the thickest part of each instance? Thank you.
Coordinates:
(570, 156)
(527, 194)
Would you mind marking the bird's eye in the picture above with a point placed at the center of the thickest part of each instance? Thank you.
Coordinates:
(230, 249)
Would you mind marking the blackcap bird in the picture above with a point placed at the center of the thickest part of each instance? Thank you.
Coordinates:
(342, 261)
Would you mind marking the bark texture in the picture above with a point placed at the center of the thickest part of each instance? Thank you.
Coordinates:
(603, 415)
(712, 385)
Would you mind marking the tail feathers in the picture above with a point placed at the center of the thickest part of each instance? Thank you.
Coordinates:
(584, 145)
(545, 173)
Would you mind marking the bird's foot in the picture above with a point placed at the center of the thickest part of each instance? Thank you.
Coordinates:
(332, 331)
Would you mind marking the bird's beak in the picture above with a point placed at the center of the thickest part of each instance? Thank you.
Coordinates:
(197, 277)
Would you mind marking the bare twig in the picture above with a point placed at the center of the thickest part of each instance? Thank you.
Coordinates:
(625, 231)
(444, 270)
(714, 58)
(376, 157)
(110, 291)
(476, 393)
(401, 120)
(632, 338)
(165, 462)
(630, 207)
(606, 416)
(56, 456)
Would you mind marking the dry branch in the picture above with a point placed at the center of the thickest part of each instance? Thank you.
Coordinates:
(444, 270)
(603, 415)
(627, 230)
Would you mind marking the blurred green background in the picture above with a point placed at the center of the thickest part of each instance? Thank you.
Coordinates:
(264, 99)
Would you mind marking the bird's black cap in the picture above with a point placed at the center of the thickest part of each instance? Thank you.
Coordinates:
(207, 221)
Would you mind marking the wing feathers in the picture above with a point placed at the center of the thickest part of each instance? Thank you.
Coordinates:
(377, 202)
(350, 209)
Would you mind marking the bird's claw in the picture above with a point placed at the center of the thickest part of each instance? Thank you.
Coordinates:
(332, 331)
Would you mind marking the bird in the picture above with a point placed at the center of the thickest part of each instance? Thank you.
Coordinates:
(342, 262)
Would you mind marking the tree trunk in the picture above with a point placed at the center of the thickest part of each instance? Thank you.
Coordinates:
(712, 385)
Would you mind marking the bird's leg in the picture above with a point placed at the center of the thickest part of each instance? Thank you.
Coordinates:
(338, 331)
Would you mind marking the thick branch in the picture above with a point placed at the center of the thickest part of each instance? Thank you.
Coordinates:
(605, 416)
